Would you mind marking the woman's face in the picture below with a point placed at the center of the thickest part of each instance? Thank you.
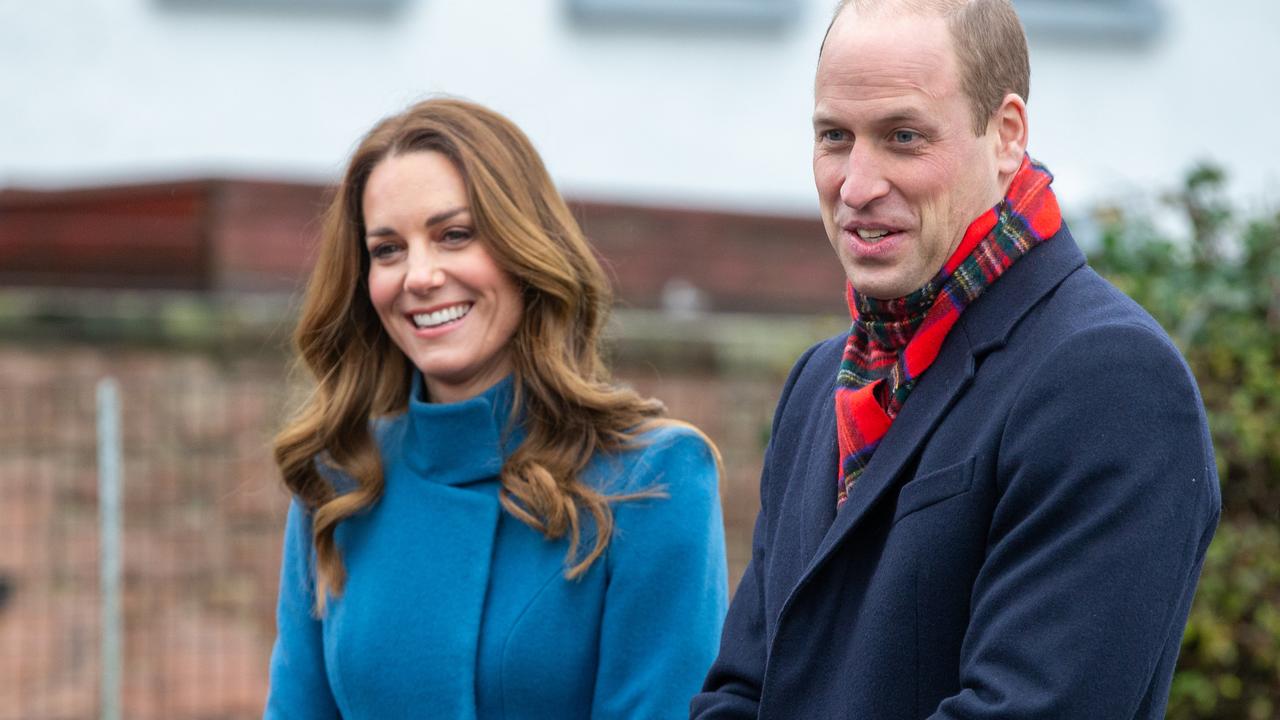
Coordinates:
(443, 300)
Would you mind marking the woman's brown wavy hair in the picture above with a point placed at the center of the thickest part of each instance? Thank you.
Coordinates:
(562, 388)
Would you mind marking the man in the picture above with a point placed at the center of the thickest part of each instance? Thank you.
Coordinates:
(992, 498)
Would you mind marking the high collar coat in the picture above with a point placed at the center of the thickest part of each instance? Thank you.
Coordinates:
(1024, 543)
(454, 608)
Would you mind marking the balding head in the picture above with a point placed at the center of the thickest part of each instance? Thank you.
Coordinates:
(991, 47)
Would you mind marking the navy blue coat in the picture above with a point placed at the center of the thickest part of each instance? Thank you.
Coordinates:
(1024, 543)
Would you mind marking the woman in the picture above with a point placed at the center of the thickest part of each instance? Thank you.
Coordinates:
(483, 525)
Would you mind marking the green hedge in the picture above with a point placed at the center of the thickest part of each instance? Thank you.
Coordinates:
(1217, 290)
(1230, 662)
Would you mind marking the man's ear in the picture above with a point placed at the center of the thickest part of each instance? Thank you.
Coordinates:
(1010, 125)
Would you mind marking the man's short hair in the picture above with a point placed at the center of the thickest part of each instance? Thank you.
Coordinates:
(991, 47)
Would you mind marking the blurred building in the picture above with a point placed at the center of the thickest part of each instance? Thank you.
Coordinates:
(219, 123)
(687, 103)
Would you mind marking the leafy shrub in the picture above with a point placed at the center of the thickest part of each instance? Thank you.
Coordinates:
(1218, 293)
(1230, 662)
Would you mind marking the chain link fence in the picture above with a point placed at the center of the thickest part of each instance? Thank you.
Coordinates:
(201, 519)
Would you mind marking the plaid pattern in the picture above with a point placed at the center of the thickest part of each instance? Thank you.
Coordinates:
(892, 342)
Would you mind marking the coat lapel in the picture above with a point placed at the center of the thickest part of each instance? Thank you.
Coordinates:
(818, 506)
(949, 375)
(982, 328)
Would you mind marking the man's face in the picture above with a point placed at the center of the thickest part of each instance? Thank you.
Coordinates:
(899, 171)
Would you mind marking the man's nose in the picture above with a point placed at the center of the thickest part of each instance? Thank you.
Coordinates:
(425, 271)
(864, 180)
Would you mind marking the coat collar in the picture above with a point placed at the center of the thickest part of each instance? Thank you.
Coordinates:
(991, 319)
(463, 442)
(982, 328)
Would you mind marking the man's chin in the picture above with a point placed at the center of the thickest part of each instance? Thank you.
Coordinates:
(882, 283)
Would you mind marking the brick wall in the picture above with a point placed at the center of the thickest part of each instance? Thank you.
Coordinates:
(239, 235)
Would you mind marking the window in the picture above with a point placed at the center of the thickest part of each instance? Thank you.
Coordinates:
(342, 6)
(1109, 20)
(759, 13)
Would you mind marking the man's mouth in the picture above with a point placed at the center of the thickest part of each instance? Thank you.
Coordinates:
(443, 316)
(873, 236)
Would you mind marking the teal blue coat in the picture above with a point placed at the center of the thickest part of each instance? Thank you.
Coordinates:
(455, 609)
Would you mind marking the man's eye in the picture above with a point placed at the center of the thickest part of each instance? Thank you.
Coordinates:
(834, 136)
(905, 137)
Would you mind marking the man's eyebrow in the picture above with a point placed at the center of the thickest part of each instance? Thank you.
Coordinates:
(822, 118)
(898, 117)
(907, 116)
(433, 220)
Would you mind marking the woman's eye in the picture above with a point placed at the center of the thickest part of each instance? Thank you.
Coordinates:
(382, 251)
(456, 236)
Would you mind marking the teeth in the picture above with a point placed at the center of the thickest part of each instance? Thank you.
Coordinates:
(872, 235)
(440, 317)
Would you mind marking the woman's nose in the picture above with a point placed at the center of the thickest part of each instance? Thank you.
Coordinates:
(424, 273)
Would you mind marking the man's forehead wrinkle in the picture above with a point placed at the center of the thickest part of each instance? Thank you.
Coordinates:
(885, 81)
(890, 82)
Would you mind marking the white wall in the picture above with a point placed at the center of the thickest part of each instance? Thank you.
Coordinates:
(96, 91)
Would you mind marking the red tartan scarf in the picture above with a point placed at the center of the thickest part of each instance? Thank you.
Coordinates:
(892, 342)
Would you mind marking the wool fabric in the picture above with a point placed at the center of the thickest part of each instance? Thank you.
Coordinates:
(893, 342)
(453, 608)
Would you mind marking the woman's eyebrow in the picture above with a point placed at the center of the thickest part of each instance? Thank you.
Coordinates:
(433, 220)
(445, 215)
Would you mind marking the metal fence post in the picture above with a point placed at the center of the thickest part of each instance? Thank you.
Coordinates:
(109, 509)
